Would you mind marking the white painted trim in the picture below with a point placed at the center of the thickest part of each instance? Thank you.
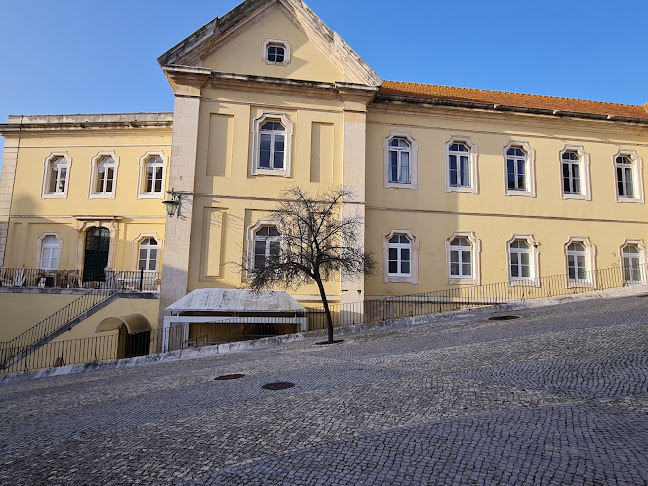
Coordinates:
(284, 44)
(256, 134)
(93, 175)
(112, 226)
(473, 156)
(38, 248)
(530, 168)
(142, 176)
(534, 255)
(586, 187)
(413, 183)
(413, 278)
(135, 252)
(643, 257)
(637, 174)
(251, 231)
(590, 262)
(476, 259)
(46, 173)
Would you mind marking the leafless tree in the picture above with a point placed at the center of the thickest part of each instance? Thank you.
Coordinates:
(312, 242)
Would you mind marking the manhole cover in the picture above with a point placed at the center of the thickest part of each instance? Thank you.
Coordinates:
(336, 341)
(235, 376)
(280, 385)
(502, 318)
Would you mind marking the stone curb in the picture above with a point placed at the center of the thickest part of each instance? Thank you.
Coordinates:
(191, 353)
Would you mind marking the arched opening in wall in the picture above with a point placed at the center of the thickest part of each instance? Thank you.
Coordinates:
(97, 246)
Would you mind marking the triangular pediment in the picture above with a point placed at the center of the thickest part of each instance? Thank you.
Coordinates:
(234, 43)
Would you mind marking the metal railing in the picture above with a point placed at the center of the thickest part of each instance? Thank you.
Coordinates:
(137, 280)
(121, 345)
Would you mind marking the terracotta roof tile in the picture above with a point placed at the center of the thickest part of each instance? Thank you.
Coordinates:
(416, 90)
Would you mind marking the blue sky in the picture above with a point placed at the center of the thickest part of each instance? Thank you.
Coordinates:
(80, 56)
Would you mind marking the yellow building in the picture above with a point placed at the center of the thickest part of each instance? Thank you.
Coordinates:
(458, 187)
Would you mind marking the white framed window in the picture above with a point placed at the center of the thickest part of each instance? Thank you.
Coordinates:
(628, 172)
(276, 51)
(575, 173)
(57, 175)
(103, 178)
(148, 255)
(461, 165)
(400, 256)
(152, 176)
(266, 246)
(633, 261)
(580, 259)
(463, 253)
(50, 255)
(523, 260)
(401, 161)
(519, 169)
(272, 145)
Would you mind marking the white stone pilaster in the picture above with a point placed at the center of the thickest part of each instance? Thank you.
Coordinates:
(9, 163)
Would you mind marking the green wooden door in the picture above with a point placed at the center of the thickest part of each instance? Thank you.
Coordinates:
(97, 244)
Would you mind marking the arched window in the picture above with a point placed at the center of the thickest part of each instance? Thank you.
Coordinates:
(461, 258)
(104, 175)
(50, 253)
(399, 160)
(577, 262)
(154, 175)
(628, 174)
(273, 145)
(266, 246)
(148, 255)
(574, 172)
(516, 169)
(523, 261)
(632, 271)
(272, 137)
(56, 176)
(400, 256)
(461, 165)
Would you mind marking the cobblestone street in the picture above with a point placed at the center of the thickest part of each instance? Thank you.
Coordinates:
(557, 396)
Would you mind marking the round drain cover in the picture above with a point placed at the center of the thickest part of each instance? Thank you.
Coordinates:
(235, 376)
(280, 385)
(502, 318)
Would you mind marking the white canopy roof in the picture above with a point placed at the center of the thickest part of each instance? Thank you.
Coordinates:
(236, 301)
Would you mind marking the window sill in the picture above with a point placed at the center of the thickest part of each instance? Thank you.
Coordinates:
(462, 281)
(634, 200)
(512, 192)
(271, 172)
(401, 279)
(524, 282)
(582, 197)
(461, 189)
(401, 185)
(153, 195)
(54, 195)
(102, 196)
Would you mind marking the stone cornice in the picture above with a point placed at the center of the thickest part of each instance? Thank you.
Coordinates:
(97, 121)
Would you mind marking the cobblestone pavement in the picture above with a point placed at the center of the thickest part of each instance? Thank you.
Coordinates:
(558, 396)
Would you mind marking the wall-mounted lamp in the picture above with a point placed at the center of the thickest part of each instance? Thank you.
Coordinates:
(172, 205)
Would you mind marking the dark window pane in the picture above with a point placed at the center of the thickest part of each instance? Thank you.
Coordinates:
(393, 266)
(405, 267)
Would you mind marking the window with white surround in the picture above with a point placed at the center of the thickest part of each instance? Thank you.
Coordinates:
(50, 252)
(519, 169)
(401, 167)
(461, 165)
(574, 173)
(272, 145)
(580, 258)
(152, 175)
(266, 246)
(104, 175)
(400, 254)
(633, 261)
(523, 265)
(56, 177)
(276, 51)
(463, 258)
(628, 172)
(148, 255)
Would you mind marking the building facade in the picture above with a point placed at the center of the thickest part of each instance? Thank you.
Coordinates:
(458, 187)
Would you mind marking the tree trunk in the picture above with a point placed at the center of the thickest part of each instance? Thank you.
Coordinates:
(329, 319)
